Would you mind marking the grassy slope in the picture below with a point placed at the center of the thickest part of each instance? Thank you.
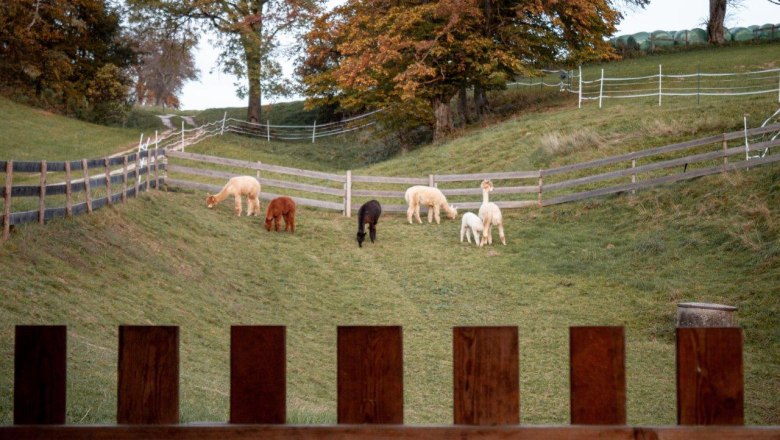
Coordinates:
(164, 259)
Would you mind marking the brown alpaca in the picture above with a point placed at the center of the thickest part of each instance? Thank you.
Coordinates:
(278, 208)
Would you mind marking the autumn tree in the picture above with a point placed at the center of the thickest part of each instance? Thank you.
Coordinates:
(165, 64)
(407, 53)
(248, 33)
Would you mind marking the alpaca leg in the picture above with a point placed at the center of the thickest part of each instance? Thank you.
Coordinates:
(476, 236)
(372, 231)
(435, 215)
(292, 223)
(238, 205)
(501, 233)
(490, 234)
(462, 230)
(430, 213)
(417, 212)
(277, 222)
(410, 213)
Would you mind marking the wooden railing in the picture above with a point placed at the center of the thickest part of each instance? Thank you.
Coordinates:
(120, 177)
(518, 189)
(370, 387)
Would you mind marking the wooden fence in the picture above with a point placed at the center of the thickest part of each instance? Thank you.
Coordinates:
(117, 183)
(517, 189)
(370, 387)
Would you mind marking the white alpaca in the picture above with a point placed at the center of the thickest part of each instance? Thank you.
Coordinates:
(239, 186)
(490, 214)
(430, 197)
(471, 224)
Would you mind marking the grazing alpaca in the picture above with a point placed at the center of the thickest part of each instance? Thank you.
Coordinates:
(368, 213)
(278, 208)
(430, 197)
(471, 224)
(491, 215)
(239, 186)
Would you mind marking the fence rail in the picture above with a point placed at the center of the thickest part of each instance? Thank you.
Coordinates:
(370, 387)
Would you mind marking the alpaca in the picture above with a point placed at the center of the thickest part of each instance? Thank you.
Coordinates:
(239, 186)
(278, 208)
(430, 197)
(368, 213)
(491, 215)
(471, 224)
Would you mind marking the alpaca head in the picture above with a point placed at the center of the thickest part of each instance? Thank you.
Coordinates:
(210, 201)
(452, 212)
(268, 222)
(487, 185)
(361, 236)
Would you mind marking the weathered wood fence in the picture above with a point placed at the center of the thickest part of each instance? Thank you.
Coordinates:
(517, 189)
(116, 185)
(370, 387)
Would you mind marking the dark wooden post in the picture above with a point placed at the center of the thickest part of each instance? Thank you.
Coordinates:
(42, 195)
(370, 375)
(148, 168)
(156, 170)
(39, 374)
(598, 375)
(68, 191)
(486, 368)
(9, 178)
(710, 378)
(108, 181)
(85, 171)
(124, 179)
(148, 385)
(258, 380)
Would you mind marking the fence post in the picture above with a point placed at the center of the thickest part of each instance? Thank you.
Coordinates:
(148, 161)
(431, 181)
(698, 86)
(156, 169)
(348, 195)
(182, 137)
(601, 87)
(633, 175)
(597, 358)
(222, 131)
(659, 85)
(124, 179)
(9, 177)
(541, 182)
(313, 131)
(108, 182)
(579, 92)
(68, 191)
(42, 195)
(268, 130)
(258, 370)
(725, 148)
(85, 172)
(40, 364)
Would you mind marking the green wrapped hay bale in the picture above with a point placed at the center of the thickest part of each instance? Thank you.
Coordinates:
(768, 32)
(660, 39)
(622, 41)
(681, 38)
(726, 34)
(640, 40)
(697, 36)
(741, 34)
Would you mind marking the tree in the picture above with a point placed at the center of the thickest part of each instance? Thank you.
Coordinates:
(165, 64)
(249, 36)
(715, 23)
(381, 52)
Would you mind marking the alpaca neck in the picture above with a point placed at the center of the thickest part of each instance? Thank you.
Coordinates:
(485, 197)
(222, 195)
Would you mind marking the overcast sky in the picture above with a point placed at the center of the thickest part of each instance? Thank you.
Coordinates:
(216, 89)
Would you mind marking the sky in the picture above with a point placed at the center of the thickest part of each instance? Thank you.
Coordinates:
(215, 89)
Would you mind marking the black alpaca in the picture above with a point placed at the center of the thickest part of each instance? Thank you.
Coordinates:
(368, 213)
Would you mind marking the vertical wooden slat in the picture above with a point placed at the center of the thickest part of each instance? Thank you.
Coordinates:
(598, 375)
(541, 184)
(40, 374)
(68, 191)
(42, 195)
(124, 179)
(370, 375)
(148, 168)
(9, 178)
(156, 170)
(710, 377)
(108, 181)
(258, 381)
(86, 185)
(148, 385)
(486, 364)
(137, 183)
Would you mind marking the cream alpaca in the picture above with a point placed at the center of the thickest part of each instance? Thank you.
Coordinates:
(491, 215)
(471, 224)
(430, 197)
(239, 186)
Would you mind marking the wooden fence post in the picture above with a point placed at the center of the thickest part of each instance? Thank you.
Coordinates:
(42, 195)
(268, 130)
(108, 182)
(258, 380)
(597, 375)
(348, 195)
(148, 384)
(85, 172)
(541, 183)
(148, 168)
(370, 375)
(40, 357)
(601, 87)
(156, 169)
(68, 190)
(313, 131)
(710, 378)
(9, 177)
(138, 172)
(486, 378)
(431, 181)
(579, 92)
(633, 175)
(124, 179)
(660, 90)
(725, 149)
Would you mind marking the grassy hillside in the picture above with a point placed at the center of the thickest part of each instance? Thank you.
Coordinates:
(625, 260)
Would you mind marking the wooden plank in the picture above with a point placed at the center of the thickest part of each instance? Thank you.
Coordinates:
(597, 375)
(9, 178)
(383, 179)
(486, 365)
(148, 390)
(710, 377)
(481, 176)
(377, 193)
(108, 181)
(385, 432)
(42, 195)
(370, 375)
(258, 380)
(40, 358)
(528, 189)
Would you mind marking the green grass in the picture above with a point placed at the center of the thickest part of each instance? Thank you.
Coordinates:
(622, 260)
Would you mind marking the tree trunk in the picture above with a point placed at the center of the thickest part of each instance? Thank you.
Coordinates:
(252, 48)
(480, 100)
(715, 23)
(463, 105)
(443, 115)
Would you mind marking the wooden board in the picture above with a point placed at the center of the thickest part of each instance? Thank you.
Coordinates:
(258, 367)
(597, 375)
(40, 359)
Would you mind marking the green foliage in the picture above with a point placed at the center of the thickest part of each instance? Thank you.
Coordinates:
(108, 96)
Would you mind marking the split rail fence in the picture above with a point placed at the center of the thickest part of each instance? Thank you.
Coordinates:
(370, 387)
(515, 189)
